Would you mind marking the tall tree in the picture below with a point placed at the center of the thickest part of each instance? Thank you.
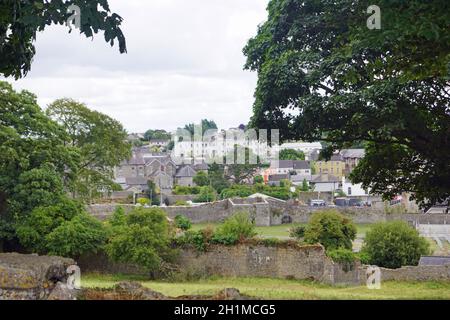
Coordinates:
(34, 160)
(347, 83)
(291, 154)
(20, 20)
(100, 140)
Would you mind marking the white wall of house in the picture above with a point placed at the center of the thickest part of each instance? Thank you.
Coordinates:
(353, 190)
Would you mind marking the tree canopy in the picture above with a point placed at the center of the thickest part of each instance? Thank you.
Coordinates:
(324, 75)
(20, 20)
(101, 142)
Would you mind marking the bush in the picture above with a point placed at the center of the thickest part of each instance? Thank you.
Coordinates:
(64, 229)
(345, 257)
(207, 194)
(118, 218)
(201, 179)
(144, 201)
(144, 239)
(180, 190)
(237, 191)
(331, 229)
(297, 232)
(83, 234)
(393, 245)
(258, 180)
(181, 203)
(235, 228)
(182, 222)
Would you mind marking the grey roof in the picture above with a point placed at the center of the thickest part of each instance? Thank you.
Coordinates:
(136, 181)
(323, 178)
(434, 261)
(301, 165)
(201, 166)
(137, 159)
(283, 164)
(278, 177)
(186, 171)
(353, 153)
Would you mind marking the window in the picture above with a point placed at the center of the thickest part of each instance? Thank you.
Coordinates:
(349, 193)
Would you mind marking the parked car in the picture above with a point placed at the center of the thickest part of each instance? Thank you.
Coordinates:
(341, 202)
(317, 203)
(355, 203)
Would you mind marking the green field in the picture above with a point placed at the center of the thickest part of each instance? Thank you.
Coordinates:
(280, 289)
(282, 231)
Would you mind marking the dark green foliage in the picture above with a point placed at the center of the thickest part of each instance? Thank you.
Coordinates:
(62, 229)
(83, 234)
(157, 134)
(118, 218)
(182, 222)
(323, 75)
(181, 190)
(330, 229)
(258, 180)
(297, 232)
(100, 140)
(144, 239)
(153, 194)
(201, 179)
(20, 20)
(345, 257)
(207, 194)
(393, 245)
(237, 227)
(291, 154)
(243, 191)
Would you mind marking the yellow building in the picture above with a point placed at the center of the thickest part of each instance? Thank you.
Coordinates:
(335, 167)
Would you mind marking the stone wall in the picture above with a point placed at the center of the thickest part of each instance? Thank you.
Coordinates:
(32, 277)
(270, 212)
(411, 273)
(246, 260)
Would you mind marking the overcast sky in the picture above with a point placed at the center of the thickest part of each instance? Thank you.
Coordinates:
(184, 63)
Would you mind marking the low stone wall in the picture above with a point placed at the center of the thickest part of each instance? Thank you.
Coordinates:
(269, 213)
(283, 261)
(411, 273)
(33, 277)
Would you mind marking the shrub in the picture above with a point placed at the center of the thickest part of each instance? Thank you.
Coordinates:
(118, 218)
(64, 229)
(182, 222)
(394, 244)
(83, 234)
(181, 203)
(180, 190)
(297, 232)
(207, 194)
(345, 257)
(144, 239)
(235, 228)
(331, 229)
(201, 179)
(237, 191)
(258, 180)
(144, 201)
(195, 238)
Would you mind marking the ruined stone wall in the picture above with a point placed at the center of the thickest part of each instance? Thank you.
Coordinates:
(33, 277)
(273, 212)
(411, 273)
(309, 262)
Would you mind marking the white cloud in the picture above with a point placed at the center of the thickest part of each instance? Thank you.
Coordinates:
(184, 63)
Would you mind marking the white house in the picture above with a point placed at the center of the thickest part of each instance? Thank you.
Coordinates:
(353, 190)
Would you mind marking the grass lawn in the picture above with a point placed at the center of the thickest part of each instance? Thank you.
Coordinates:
(282, 231)
(280, 289)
